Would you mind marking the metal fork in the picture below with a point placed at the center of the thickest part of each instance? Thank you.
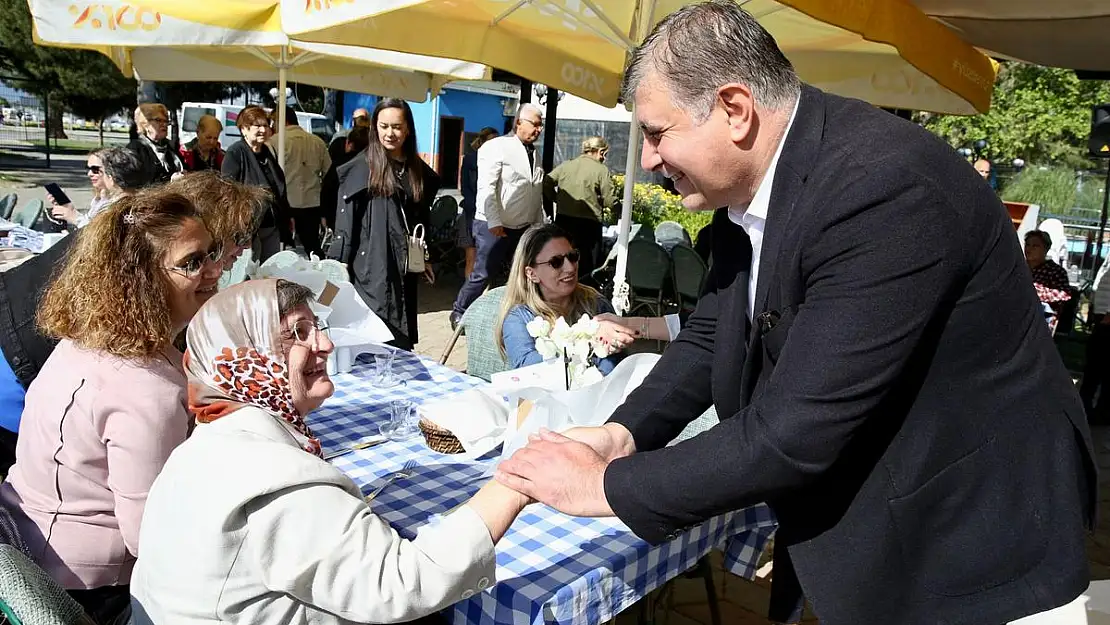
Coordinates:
(406, 471)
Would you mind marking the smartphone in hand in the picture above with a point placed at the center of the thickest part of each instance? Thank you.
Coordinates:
(56, 192)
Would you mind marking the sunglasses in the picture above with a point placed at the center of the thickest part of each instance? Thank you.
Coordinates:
(556, 261)
(196, 262)
(93, 169)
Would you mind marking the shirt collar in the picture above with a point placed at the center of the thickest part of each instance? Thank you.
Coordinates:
(756, 210)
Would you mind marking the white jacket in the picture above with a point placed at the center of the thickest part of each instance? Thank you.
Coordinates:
(510, 193)
(242, 526)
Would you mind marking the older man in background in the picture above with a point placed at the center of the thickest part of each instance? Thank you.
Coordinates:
(582, 190)
(509, 200)
(306, 162)
(337, 149)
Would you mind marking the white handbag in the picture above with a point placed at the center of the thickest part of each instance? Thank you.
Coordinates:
(418, 249)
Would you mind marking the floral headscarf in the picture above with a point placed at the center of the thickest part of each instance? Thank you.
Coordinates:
(234, 358)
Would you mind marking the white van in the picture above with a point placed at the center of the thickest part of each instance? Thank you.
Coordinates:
(191, 112)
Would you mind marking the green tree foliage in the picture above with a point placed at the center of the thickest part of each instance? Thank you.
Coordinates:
(83, 81)
(1039, 114)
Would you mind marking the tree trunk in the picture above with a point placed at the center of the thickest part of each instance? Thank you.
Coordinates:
(100, 129)
(57, 130)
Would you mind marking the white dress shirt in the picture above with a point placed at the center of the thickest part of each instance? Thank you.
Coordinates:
(306, 162)
(753, 216)
(510, 189)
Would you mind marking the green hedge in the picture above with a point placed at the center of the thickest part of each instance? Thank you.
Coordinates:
(652, 204)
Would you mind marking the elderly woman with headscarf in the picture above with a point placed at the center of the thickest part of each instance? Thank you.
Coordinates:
(153, 147)
(248, 524)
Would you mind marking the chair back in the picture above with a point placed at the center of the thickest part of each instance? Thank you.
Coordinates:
(7, 205)
(670, 233)
(444, 212)
(27, 215)
(28, 596)
(689, 274)
(483, 356)
(641, 231)
(649, 266)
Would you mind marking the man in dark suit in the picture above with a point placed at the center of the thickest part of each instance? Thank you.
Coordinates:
(884, 375)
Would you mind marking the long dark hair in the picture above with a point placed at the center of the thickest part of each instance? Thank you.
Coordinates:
(383, 183)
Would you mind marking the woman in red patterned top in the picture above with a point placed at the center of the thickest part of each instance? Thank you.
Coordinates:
(1047, 274)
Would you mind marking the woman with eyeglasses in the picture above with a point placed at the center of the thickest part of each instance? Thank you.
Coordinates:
(247, 523)
(543, 282)
(109, 404)
(158, 156)
(113, 172)
(250, 161)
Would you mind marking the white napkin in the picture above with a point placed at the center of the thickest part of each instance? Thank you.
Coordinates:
(476, 417)
(588, 406)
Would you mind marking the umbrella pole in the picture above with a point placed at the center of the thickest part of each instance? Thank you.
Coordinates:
(620, 287)
(281, 102)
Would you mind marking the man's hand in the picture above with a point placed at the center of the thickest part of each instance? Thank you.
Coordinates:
(561, 472)
(610, 441)
(497, 231)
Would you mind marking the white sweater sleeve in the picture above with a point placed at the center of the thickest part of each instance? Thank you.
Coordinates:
(325, 547)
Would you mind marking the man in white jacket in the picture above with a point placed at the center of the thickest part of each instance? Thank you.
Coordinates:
(509, 200)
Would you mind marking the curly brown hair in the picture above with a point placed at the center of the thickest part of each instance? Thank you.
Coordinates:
(111, 293)
(232, 211)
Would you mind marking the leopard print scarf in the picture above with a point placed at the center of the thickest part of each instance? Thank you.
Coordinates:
(234, 359)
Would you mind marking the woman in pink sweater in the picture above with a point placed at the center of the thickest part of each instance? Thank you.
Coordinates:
(109, 405)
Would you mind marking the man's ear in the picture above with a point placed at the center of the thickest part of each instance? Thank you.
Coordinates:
(738, 103)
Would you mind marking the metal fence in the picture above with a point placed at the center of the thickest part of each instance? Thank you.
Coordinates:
(24, 121)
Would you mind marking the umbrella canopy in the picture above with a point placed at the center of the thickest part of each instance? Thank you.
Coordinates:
(884, 51)
(1057, 33)
(236, 40)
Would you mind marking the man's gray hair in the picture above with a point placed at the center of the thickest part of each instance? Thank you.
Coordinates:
(701, 47)
(527, 107)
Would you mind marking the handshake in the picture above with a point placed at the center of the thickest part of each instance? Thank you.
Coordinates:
(567, 471)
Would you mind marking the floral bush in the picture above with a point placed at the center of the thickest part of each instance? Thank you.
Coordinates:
(652, 204)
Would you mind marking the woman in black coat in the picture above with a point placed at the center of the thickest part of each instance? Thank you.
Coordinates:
(250, 161)
(383, 194)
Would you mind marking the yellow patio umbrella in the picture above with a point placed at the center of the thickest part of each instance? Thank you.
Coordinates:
(236, 41)
(886, 52)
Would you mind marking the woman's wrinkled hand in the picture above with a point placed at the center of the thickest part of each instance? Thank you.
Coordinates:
(614, 335)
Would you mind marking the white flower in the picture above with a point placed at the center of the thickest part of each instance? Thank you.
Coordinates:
(580, 350)
(547, 348)
(538, 327)
(562, 334)
(586, 327)
(601, 350)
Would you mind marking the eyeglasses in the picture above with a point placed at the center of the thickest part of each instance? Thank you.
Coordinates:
(307, 331)
(538, 124)
(93, 169)
(158, 120)
(556, 261)
(196, 262)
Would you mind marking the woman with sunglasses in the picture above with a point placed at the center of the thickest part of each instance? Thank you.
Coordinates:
(113, 172)
(109, 404)
(543, 282)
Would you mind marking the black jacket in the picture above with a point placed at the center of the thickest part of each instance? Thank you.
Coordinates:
(371, 239)
(21, 289)
(241, 165)
(468, 185)
(898, 402)
(155, 170)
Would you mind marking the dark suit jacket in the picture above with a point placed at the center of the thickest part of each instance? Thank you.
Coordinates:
(899, 402)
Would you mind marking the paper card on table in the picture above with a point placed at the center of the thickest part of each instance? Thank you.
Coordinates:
(476, 417)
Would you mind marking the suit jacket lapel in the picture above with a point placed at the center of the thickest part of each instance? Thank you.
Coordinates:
(803, 143)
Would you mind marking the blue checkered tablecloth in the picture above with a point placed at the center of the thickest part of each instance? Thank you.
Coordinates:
(551, 568)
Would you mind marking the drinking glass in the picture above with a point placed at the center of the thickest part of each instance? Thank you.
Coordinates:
(384, 376)
(402, 421)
